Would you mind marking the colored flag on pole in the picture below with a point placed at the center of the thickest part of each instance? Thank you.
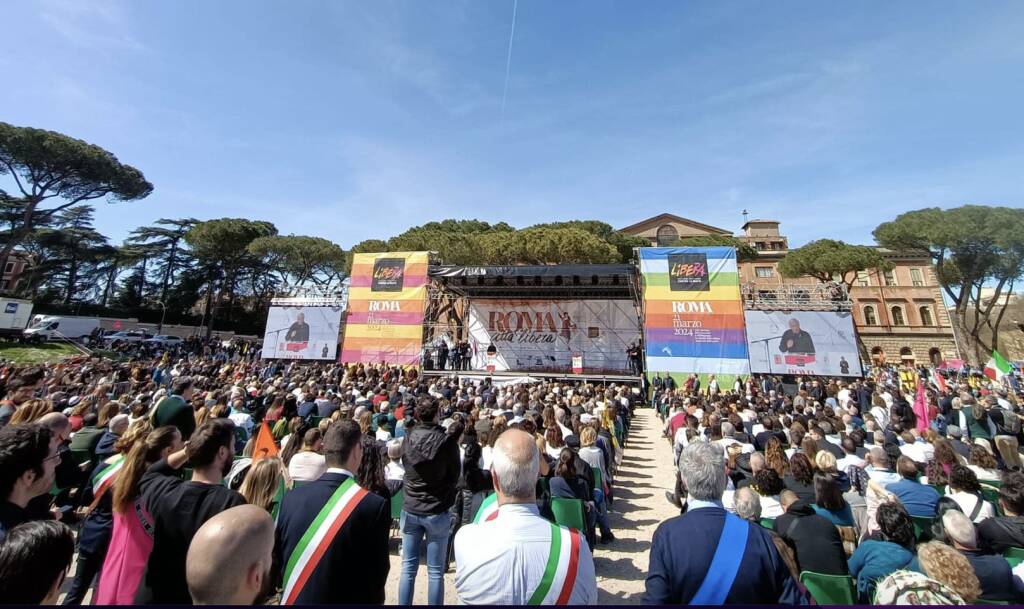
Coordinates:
(264, 445)
(940, 382)
(997, 367)
(921, 407)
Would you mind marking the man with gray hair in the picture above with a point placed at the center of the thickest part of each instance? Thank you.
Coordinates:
(747, 504)
(511, 555)
(697, 558)
(993, 571)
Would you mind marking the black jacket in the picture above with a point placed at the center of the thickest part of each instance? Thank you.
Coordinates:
(354, 568)
(431, 460)
(814, 539)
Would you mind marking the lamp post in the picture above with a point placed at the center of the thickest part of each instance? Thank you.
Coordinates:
(160, 328)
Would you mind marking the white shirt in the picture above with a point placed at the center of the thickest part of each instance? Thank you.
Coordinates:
(847, 461)
(307, 465)
(502, 561)
(243, 420)
(968, 502)
(394, 471)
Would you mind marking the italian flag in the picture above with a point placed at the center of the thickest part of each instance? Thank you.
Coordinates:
(997, 367)
(488, 509)
(560, 572)
(104, 478)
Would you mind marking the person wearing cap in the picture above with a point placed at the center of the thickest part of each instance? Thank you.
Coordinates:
(955, 436)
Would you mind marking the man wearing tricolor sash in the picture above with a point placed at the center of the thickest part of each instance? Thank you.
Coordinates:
(517, 557)
(332, 535)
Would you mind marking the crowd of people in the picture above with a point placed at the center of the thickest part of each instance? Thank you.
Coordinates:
(783, 486)
(204, 475)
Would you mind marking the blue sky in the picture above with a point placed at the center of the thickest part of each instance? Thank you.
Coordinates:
(357, 120)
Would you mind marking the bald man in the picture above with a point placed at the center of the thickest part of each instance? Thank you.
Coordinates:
(230, 557)
(518, 557)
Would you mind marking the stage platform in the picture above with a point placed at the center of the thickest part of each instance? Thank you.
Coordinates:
(509, 376)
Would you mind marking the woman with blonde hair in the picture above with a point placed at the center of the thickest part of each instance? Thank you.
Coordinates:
(31, 411)
(265, 484)
(775, 457)
(132, 537)
(948, 579)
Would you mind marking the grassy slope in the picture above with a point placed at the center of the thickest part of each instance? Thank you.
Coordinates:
(36, 354)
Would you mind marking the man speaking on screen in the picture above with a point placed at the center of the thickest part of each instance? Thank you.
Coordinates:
(298, 332)
(796, 341)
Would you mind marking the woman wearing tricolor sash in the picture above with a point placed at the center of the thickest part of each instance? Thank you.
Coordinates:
(518, 557)
(94, 536)
(132, 537)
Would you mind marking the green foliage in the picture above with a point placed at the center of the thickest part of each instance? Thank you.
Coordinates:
(471, 242)
(973, 247)
(300, 258)
(225, 241)
(826, 259)
(47, 165)
(744, 251)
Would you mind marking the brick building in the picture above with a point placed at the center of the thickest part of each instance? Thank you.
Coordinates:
(17, 263)
(899, 314)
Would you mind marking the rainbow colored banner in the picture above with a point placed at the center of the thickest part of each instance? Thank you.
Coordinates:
(386, 299)
(693, 315)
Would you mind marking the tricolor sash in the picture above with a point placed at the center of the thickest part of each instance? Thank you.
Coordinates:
(488, 509)
(315, 541)
(104, 479)
(560, 572)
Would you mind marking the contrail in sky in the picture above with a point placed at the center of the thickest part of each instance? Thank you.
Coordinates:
(508, 60)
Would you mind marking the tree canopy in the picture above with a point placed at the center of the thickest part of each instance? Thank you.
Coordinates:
(827, 260)
(53, 172)
(973, 247)
(299, 259)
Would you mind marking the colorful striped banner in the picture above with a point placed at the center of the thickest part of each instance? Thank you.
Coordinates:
(386, 302)
(693, 315)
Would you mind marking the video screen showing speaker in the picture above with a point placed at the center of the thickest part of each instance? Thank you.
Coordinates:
(820, 343)
(301, 332)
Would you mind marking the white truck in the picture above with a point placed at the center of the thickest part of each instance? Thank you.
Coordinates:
(14, 316)
(49, 327)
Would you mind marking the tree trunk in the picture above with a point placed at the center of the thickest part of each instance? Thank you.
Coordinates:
(169, 273)
(110, 284)
(208, 308)
(72, 279)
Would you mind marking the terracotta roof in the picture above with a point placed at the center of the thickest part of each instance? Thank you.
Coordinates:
(675, 218)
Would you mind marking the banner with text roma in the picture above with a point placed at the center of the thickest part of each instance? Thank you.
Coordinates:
(693, 315)
(386, 300)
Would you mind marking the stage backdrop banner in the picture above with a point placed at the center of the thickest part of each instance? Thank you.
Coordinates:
(386, 300)
(803, 342)
(301, 332)
(693, 316)
(545, 335)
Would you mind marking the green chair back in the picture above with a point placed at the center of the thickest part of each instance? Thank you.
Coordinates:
(940, 488)
(1014, 556)
(80, 455)
(569, 513)
(830, 589)
(768, 523)
(992, 483)
(397, 501)
(981, 601)
(991, 494)
(922, 526)
(545, 485)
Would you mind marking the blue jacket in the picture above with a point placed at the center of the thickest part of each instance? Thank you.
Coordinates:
(681, 554)
(872, 561)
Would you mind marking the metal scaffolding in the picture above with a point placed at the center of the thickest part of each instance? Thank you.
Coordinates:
(831, 296)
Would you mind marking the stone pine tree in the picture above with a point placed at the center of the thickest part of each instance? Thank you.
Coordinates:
(829, 260)
(52, 172)
(974, 248)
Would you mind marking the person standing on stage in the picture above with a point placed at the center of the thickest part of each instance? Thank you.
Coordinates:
(518, 557)
(332, 535)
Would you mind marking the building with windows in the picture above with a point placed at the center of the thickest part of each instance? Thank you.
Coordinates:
(17, 263)
(899, 314)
